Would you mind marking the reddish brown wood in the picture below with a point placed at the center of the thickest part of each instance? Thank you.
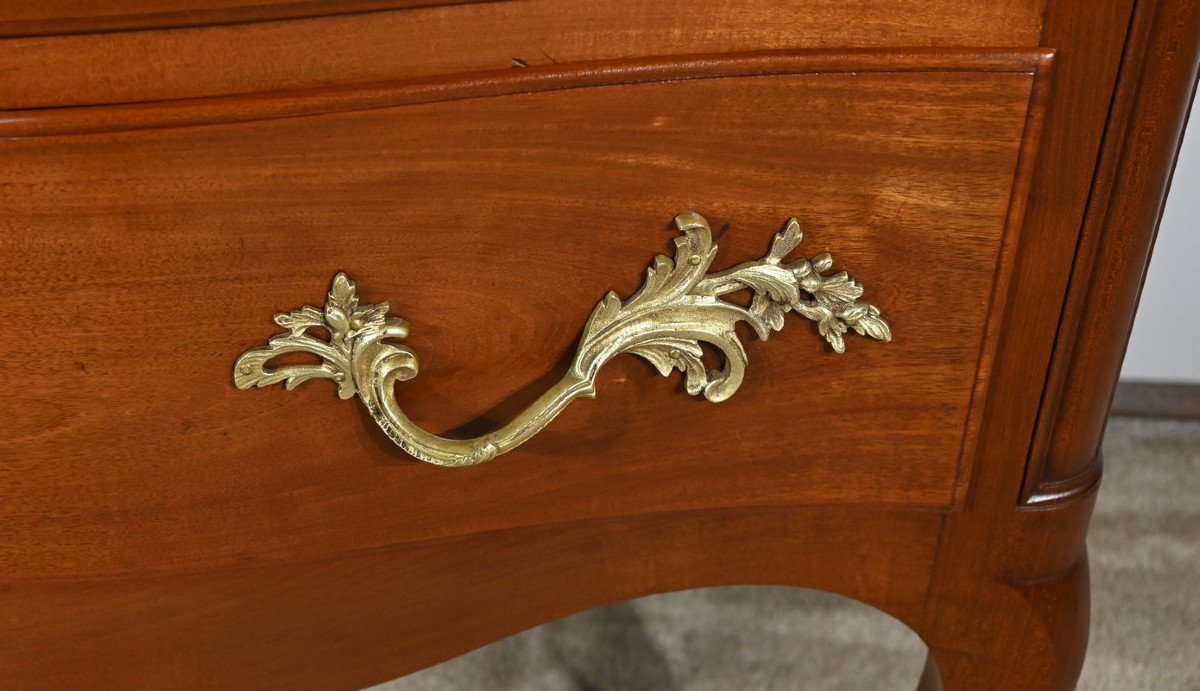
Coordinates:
(125, 117)
(364, 618)
(1147, 123)
(1008, 604)
(19, 18)
(235, 222)
(162, 529)
(250, 58)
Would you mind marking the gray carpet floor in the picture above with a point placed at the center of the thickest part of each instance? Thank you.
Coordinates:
(1145, 559)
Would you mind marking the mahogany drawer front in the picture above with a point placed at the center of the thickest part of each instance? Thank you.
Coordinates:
(147, 246)
(207, 51)
(173, 172)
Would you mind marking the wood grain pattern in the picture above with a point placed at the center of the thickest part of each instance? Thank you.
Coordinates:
(1122, 220)
(206, 231)
(19, 18)
(154, 533)
(1008, 606)
(367, 618)
(1085, 69)
(366, 96)
(305, 53)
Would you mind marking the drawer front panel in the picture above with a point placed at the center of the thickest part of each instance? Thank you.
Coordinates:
(198, 60)
(146, 247)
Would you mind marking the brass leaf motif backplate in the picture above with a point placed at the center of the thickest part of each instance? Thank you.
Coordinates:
(677, 308)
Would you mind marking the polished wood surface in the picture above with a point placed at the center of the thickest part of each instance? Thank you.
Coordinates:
(362, 619)
(61, 17)
(1008, 605)
(1148, 118)
(169, 179)
(213, 229)
(123, 117)
(134, 66)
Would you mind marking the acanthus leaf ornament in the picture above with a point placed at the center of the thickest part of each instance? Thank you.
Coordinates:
(677, 308)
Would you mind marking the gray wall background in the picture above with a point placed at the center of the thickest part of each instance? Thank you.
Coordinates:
(1165, 345)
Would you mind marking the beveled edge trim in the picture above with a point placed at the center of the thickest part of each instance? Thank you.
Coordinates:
(1007, 259)
(235, 14)
(267, 105)
(1058, 493)
(1150, 105)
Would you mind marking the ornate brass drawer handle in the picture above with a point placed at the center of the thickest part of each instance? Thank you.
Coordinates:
(664, 322)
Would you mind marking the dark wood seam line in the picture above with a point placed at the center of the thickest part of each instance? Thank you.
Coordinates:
(660, 69)
(1024, 171)
(1049, 399)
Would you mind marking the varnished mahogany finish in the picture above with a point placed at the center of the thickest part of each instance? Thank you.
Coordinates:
(59, 17)
(497, 286)
(1147, 119)
(163, 529)
(137, 66)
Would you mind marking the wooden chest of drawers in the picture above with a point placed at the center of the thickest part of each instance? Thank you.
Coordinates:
(171, 177)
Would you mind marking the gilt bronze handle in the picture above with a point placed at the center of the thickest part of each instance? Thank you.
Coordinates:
(664, 322)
